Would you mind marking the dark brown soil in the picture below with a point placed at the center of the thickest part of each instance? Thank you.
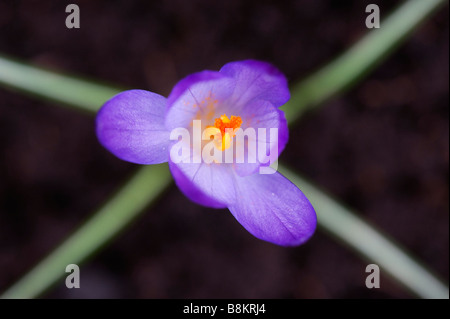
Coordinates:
(382, 149)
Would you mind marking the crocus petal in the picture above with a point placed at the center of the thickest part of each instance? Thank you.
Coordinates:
(197, 96)
(273, 209)
(191, 190)
(131, 126)
(215, 181)
(261, 116)
(256, 80)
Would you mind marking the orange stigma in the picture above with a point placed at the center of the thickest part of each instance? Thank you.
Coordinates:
(223, 123)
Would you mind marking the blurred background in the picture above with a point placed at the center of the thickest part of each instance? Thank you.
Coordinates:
(381, 149)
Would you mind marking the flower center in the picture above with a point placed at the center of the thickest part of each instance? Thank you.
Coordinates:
(227, 127)
(223, 122)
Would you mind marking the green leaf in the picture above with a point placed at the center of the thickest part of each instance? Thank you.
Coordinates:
(111, 219)
(359, 60)
(369, 242)
(68, 90)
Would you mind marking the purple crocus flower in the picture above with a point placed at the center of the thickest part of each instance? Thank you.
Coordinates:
(137, 126)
